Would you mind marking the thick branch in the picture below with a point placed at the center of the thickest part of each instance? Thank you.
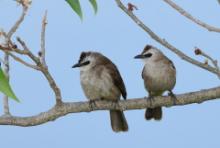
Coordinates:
(190, 17)
(131, 104)
(164, 42)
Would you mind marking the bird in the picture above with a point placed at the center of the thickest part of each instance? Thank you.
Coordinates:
(100, 80)
(159, 75)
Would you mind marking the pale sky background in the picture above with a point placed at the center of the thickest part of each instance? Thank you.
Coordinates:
(112, 33)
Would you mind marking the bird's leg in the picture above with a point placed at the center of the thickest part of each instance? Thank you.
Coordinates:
(92, 103)
(150, 98)
(173, 96)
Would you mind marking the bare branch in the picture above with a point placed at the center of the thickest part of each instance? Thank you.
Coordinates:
(5, 98)
(2, 61)
(23, 62)
(6, 106)
(164, 42)
(198, 51)
(8, 41)
(17, 24)
(24, 3)
(131, 104)
(190, 17)
(10, 48)
(44, 23)
(28, 52)
(45, 71)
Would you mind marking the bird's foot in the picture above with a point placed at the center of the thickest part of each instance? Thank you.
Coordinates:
(92, 103)
(173, 96)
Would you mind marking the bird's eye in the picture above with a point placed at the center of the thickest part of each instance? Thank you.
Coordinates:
(148, 55)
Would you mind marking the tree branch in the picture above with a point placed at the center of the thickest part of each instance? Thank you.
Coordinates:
(42, 52)
(17, 24)
(164, 42)
(23, 62)
(131, 104)
(5, 98)
(6, 56)
(198, 51)
(190, 17)
(2, 61)
(45, 72)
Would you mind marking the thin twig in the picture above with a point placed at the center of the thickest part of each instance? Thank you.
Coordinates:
(164, 42)
(198, 51)
(42, 55)
(6, 56)
(190, 17)
(7, 49)
(44, 70)
(23, 62)
(28, 52)
(17, 24)
(2, 61)
(5, 98)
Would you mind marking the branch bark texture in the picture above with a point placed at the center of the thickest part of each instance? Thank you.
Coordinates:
(130, 104)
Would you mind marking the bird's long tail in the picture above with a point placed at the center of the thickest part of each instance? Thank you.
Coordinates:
(118, 121)
(153, 113)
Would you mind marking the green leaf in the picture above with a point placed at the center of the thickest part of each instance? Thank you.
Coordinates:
(75, 4)
(94, 5)
(5, 87)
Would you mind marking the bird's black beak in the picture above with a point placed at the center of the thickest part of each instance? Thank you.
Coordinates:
(140, 56)
(80, 64)
(76, 65)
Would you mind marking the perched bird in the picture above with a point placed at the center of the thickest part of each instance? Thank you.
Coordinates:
(159, 75)
(100, 79)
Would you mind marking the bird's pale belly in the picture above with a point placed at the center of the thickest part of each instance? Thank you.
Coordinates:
(159, 82)
(97, 88)
(154, 84)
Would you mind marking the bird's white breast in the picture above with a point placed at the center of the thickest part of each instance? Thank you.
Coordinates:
(98, 85)
(159, 76)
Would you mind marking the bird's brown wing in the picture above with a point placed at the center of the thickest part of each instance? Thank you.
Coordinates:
(171, 63)
(142, 74)
(117, 79)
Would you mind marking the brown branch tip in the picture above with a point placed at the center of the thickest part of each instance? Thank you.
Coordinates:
(131, 7)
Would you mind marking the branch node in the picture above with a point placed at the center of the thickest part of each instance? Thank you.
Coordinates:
(59, 103)
(198, 51)
(131, 7)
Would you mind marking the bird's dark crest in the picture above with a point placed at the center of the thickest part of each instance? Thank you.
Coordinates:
(83, 56)
(146, 48)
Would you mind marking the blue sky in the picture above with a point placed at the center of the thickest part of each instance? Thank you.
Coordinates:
(112, 33)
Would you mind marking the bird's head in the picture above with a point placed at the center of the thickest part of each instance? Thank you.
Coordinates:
(87, 60)
(149, 54)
